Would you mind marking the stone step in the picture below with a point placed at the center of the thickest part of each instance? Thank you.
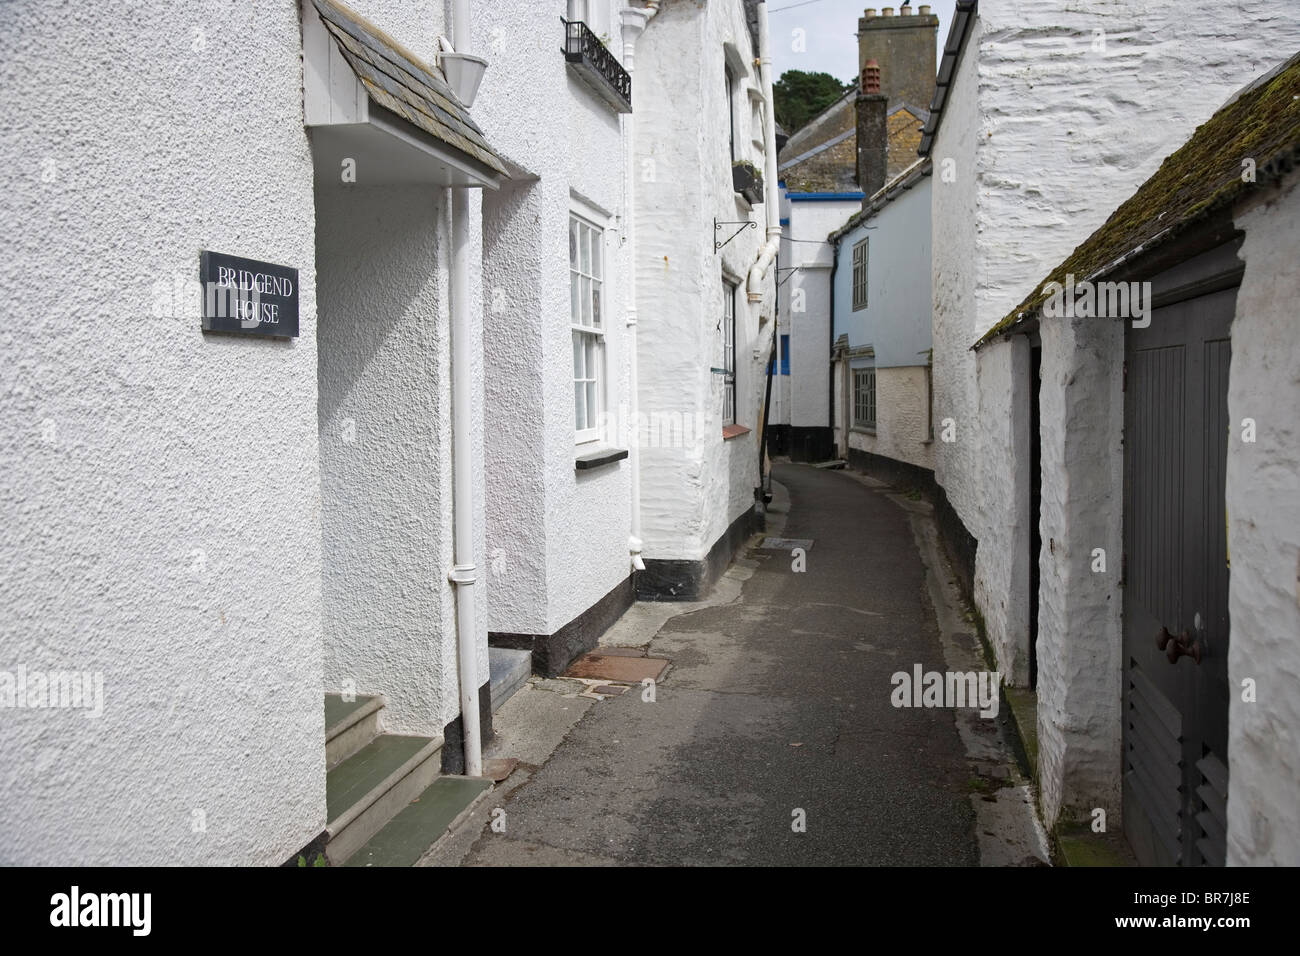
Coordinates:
(412, 832)
(349, 726)
(368, 789)
(510, 670)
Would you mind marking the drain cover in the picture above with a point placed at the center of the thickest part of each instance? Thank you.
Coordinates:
(786, 544)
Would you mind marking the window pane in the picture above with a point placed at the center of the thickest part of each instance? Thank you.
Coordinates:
(573, 243)
(586, 300)
(595, 304)
(585, 249)
(597, 248)
(579, 406)
(579, 370)
(575, 298)
(592, 407)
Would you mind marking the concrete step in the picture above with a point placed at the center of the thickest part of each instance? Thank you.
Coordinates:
(365, 791)
(349, 726)
(510, 670)
(409, 835)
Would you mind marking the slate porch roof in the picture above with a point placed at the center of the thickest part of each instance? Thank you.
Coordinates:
(401, 83)
(1204, 176)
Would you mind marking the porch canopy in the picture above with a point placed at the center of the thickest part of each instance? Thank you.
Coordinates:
(368, 100)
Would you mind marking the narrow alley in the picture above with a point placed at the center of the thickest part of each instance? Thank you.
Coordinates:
(778, 700)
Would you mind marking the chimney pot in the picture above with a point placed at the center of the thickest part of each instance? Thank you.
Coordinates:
(905, 10)
(869, 13)
(925, 10)
(886, 11)
(871, 77)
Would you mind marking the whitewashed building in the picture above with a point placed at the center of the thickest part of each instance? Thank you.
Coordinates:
(1034, 497)
(556, 260)
(345, 382)
(705, 288)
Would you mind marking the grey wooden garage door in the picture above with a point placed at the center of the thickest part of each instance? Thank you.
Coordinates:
(1176, 583)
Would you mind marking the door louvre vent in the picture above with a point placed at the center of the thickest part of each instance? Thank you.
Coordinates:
(1213, 815)
(1153, 760)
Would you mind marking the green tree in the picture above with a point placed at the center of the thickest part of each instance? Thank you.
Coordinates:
(802, 96)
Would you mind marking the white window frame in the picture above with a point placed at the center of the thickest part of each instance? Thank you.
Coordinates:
(861, 260)
(864, 397)
(729, 290)
(588, 319)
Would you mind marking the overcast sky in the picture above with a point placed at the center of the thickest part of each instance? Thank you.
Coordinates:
(829, 28)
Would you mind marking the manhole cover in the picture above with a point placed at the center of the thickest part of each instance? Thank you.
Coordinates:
(786, 544)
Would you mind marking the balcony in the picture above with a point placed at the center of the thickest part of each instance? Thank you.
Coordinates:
(596, 66)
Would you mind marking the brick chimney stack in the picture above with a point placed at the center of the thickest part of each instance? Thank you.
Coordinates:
(904, 46)
(872, 107)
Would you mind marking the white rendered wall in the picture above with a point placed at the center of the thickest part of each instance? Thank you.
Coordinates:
(560, 536)
(161, 490)
(805, 301)
(1263, 501)
(693, 490)
(385, 420)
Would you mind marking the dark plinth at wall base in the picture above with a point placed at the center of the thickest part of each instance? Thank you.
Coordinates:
(811, 443)
(673, 580)
(957, 541)
(453, 737)
(778, 440)
(901, 474)
(553, 653)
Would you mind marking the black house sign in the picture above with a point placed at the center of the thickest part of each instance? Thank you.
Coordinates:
(248, 297)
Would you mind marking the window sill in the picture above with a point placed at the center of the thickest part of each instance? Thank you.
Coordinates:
(733, 431)
(598, 458)
(863, 430)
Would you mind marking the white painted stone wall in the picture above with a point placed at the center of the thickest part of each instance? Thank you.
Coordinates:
(693, 490)
(560, 537)
(1079, 614)
(1263, 500)
(1001, 585)
(1048, 132)
(901, 418)
(161, 489)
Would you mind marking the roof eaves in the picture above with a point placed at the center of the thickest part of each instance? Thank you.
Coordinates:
(1200, 178)
(963, 18)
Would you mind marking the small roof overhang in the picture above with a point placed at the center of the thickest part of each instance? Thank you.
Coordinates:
(369, 100)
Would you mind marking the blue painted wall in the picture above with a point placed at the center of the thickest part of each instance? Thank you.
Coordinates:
(896, 321)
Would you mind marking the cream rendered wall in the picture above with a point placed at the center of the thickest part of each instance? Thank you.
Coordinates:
(161, 488)
(693, 490)
(560, 536)
(901, 417)
(1263, 501)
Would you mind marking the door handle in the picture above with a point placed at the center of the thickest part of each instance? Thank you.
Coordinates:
(1178, 645)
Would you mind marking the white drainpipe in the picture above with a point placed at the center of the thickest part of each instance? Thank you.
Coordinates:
(758, 271)
(463, 574)
(634, 22)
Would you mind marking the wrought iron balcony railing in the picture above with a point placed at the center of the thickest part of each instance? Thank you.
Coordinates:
(596, 65)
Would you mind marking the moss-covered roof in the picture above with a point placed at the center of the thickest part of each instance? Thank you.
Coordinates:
(1203, 176)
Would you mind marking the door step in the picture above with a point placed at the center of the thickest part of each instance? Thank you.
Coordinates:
(349, 726)
(365, 791)
(510, 670)
(410, 834)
